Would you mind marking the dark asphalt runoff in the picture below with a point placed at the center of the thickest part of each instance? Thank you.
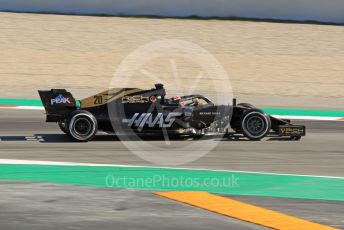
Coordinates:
(25, 135)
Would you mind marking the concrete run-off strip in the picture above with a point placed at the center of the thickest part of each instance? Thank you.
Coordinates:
(174, 179)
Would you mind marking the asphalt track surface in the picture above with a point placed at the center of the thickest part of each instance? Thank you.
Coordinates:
(319, 153)
(40, 205)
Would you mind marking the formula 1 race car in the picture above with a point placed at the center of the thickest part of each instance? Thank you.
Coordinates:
(149, 111)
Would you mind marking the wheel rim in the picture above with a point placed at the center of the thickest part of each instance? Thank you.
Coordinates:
(255, 125)
(82, 127)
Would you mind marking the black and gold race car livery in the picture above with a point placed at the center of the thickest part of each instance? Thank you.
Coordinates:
(145, 111)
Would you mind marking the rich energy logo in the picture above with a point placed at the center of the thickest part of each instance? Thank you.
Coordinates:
(140, 121)
(60, 99)
(138, 99)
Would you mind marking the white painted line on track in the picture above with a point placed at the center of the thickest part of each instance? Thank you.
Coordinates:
(59, 163)
(316, 118)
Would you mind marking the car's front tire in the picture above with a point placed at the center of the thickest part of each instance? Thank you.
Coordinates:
(82, 126)
(255, 124)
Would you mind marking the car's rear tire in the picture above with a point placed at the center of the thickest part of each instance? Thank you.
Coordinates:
(82, 126)
(255, 124)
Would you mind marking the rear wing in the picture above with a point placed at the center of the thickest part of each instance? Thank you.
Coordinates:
(58, 104)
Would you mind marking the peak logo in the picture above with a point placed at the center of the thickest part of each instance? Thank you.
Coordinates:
(140, 120)
(60, 99)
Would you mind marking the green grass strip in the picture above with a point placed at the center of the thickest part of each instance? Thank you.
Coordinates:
(20, 102)
(287, 186)
(305, 112)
